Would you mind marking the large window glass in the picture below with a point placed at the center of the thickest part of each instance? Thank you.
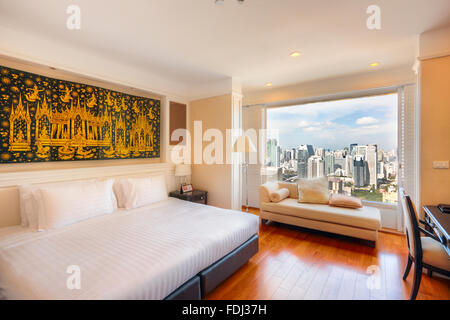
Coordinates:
(353, 142)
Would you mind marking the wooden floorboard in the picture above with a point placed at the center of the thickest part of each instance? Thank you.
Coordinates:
(294, 263)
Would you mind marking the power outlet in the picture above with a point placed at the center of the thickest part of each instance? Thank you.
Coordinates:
(440, 164)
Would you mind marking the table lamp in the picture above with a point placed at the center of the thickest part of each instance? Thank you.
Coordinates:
(182, 170)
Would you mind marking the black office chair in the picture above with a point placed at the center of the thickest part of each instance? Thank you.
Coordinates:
(426, 252)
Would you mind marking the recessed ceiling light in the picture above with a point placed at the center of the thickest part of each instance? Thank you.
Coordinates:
(268, 84)
(295, 54)
(222, 1)
(374, 64)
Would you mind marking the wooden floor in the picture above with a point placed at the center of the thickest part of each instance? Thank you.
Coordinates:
(294, 263)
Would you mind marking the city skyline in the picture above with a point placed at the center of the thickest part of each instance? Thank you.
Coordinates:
(365, 171)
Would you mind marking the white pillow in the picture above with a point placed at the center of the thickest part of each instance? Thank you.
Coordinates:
(138, 192)
(28, 214)
(61, 204)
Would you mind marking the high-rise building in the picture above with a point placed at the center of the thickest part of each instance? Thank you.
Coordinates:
(359, 171)
(329, 163)
(371, 158)
(360, 150)
(380, 170)
(315, 167)
(380, 155)
(280, 174)
(349, 165)
(308, 148)
(353, 147)
(302, 163)
(339, 161)
(319, 152)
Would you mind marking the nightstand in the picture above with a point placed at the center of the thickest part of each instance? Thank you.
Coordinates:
(198, 196)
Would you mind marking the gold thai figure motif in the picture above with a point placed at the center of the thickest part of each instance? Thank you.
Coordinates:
(44, 119)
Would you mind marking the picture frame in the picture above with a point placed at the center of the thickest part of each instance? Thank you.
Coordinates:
(187, 188)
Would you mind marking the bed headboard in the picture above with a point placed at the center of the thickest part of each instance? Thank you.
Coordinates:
(9, 182)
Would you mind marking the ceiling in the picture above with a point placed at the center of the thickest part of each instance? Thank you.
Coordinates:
(196, 42)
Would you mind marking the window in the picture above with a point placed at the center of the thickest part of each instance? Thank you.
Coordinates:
(353, 142)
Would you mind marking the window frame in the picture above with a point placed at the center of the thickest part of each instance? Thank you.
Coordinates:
(398, 89)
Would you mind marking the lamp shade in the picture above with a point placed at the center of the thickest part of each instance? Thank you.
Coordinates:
(182, 170)
(243, 145)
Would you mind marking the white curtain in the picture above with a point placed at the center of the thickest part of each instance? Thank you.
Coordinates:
(408, 134)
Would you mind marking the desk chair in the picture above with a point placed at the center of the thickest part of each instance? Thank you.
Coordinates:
(425, 252)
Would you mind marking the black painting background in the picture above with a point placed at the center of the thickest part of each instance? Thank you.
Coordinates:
(15, 83)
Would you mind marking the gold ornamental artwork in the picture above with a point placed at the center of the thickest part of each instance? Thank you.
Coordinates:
(45, 119)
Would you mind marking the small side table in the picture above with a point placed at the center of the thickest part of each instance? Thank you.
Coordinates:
(199, 196)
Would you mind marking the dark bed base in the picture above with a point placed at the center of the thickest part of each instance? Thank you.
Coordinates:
(190, 290)
(212, 276)
(207, 280)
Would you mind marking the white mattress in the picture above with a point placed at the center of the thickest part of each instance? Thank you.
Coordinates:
(143, 253)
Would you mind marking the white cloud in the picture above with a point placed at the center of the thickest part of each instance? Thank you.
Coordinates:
(373, 126)
(310, 129)
(366, 121)
(324, 124)
(302, 124)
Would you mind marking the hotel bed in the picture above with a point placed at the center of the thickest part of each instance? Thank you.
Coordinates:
(169, 249)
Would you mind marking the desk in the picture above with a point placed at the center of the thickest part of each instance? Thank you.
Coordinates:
(440, 223)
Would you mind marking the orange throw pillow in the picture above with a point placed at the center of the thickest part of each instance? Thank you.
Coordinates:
(340, 200)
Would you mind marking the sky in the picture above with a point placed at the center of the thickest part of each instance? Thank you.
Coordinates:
(337, 124)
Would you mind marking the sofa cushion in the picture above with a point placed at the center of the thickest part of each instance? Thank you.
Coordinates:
(291, 186)
(365, 217)
(340, 200)
(279, 195)
(313, 190)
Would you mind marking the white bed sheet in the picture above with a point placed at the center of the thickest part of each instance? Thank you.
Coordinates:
(143, 253)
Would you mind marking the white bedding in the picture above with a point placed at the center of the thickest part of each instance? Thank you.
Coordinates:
(143, 253)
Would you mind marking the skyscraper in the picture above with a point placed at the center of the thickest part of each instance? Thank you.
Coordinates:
(315, 167)
(310, 150)
(302, 163)
(320, 152)
(360, 150)
(287, 155)
(329, 163)
(371, 158)
(339, 161)
(359, 171)
(353, 147)
(380, 170)
(349, 165)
